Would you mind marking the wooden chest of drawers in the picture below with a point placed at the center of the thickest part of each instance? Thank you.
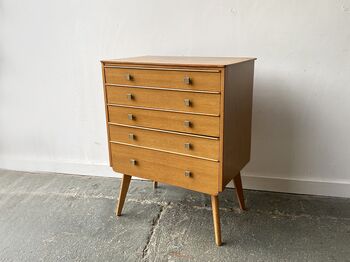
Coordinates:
(184, 121)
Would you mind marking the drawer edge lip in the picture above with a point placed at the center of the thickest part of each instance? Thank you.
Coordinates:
(166, 131)
(164, 110)
(165, 151)
(165, 88)
(143, 67)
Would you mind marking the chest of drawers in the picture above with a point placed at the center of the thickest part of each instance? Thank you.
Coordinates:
(184, 121)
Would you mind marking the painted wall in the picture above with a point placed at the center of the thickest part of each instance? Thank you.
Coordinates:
(51, 100)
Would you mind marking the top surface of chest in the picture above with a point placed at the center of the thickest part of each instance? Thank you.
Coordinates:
(186, 61)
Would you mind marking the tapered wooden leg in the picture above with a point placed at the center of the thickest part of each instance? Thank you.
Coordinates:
(155, 184)
(216, 219)
(239, 190)
(124, 186)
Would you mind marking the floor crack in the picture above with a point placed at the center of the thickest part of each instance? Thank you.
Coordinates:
(154, 226)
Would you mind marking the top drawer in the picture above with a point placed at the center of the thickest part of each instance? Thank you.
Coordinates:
(164, 78)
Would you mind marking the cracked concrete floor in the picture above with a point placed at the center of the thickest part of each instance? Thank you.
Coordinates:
(53, 217)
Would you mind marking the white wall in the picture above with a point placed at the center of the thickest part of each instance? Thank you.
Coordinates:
(51, 102)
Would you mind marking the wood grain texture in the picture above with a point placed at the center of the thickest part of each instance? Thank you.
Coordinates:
(201, 147)
(202, 125)
(163, 78)
(124, 186)
(164, 99)
(222, 118)
(237, 181)
(237, 115)
(180, 61)
(166, 168)
(106, 112)
(216, 219)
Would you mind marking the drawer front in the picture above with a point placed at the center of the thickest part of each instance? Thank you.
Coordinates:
(194, 124)
(167, 168)
(183, 144)
(190, 80)
(164, 99)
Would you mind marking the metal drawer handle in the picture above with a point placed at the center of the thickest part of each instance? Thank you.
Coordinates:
(132, 137)
(133, 162)
(187, 102)
(130, 96)
(187, 123)
(188, 146)
(128, 77)
(187, 80)
(188, 173)
(131, 117)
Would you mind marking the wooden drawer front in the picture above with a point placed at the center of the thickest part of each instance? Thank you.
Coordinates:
(203, 125)
(166, 168)
(209, 81)
(183, 144)
(164, 99)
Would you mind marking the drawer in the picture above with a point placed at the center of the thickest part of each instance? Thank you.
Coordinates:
(167, 168)
(164, 99)
(178, 79)
(188, 123)
(182, 144)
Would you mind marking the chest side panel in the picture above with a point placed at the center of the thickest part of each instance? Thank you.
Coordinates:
(238, 96)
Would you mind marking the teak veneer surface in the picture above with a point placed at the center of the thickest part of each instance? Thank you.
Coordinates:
(200, 124)
(191, 61)
(209, 81)
(164, 99)
(166, 168)
(198, 146)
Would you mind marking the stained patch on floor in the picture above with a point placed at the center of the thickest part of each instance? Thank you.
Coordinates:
(54, 217)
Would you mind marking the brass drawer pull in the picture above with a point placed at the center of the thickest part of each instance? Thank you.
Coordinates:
(187, 102)
(188, 146)
(187, 80)
(187, 123)
(133, 162)
(128, 77)
(132, 137)
(131, 117)
(188, 173)
(130, 96)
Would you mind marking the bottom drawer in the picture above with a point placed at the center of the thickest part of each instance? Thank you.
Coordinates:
(187, 172)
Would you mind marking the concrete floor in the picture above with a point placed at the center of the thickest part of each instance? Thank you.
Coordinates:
(53, 217)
